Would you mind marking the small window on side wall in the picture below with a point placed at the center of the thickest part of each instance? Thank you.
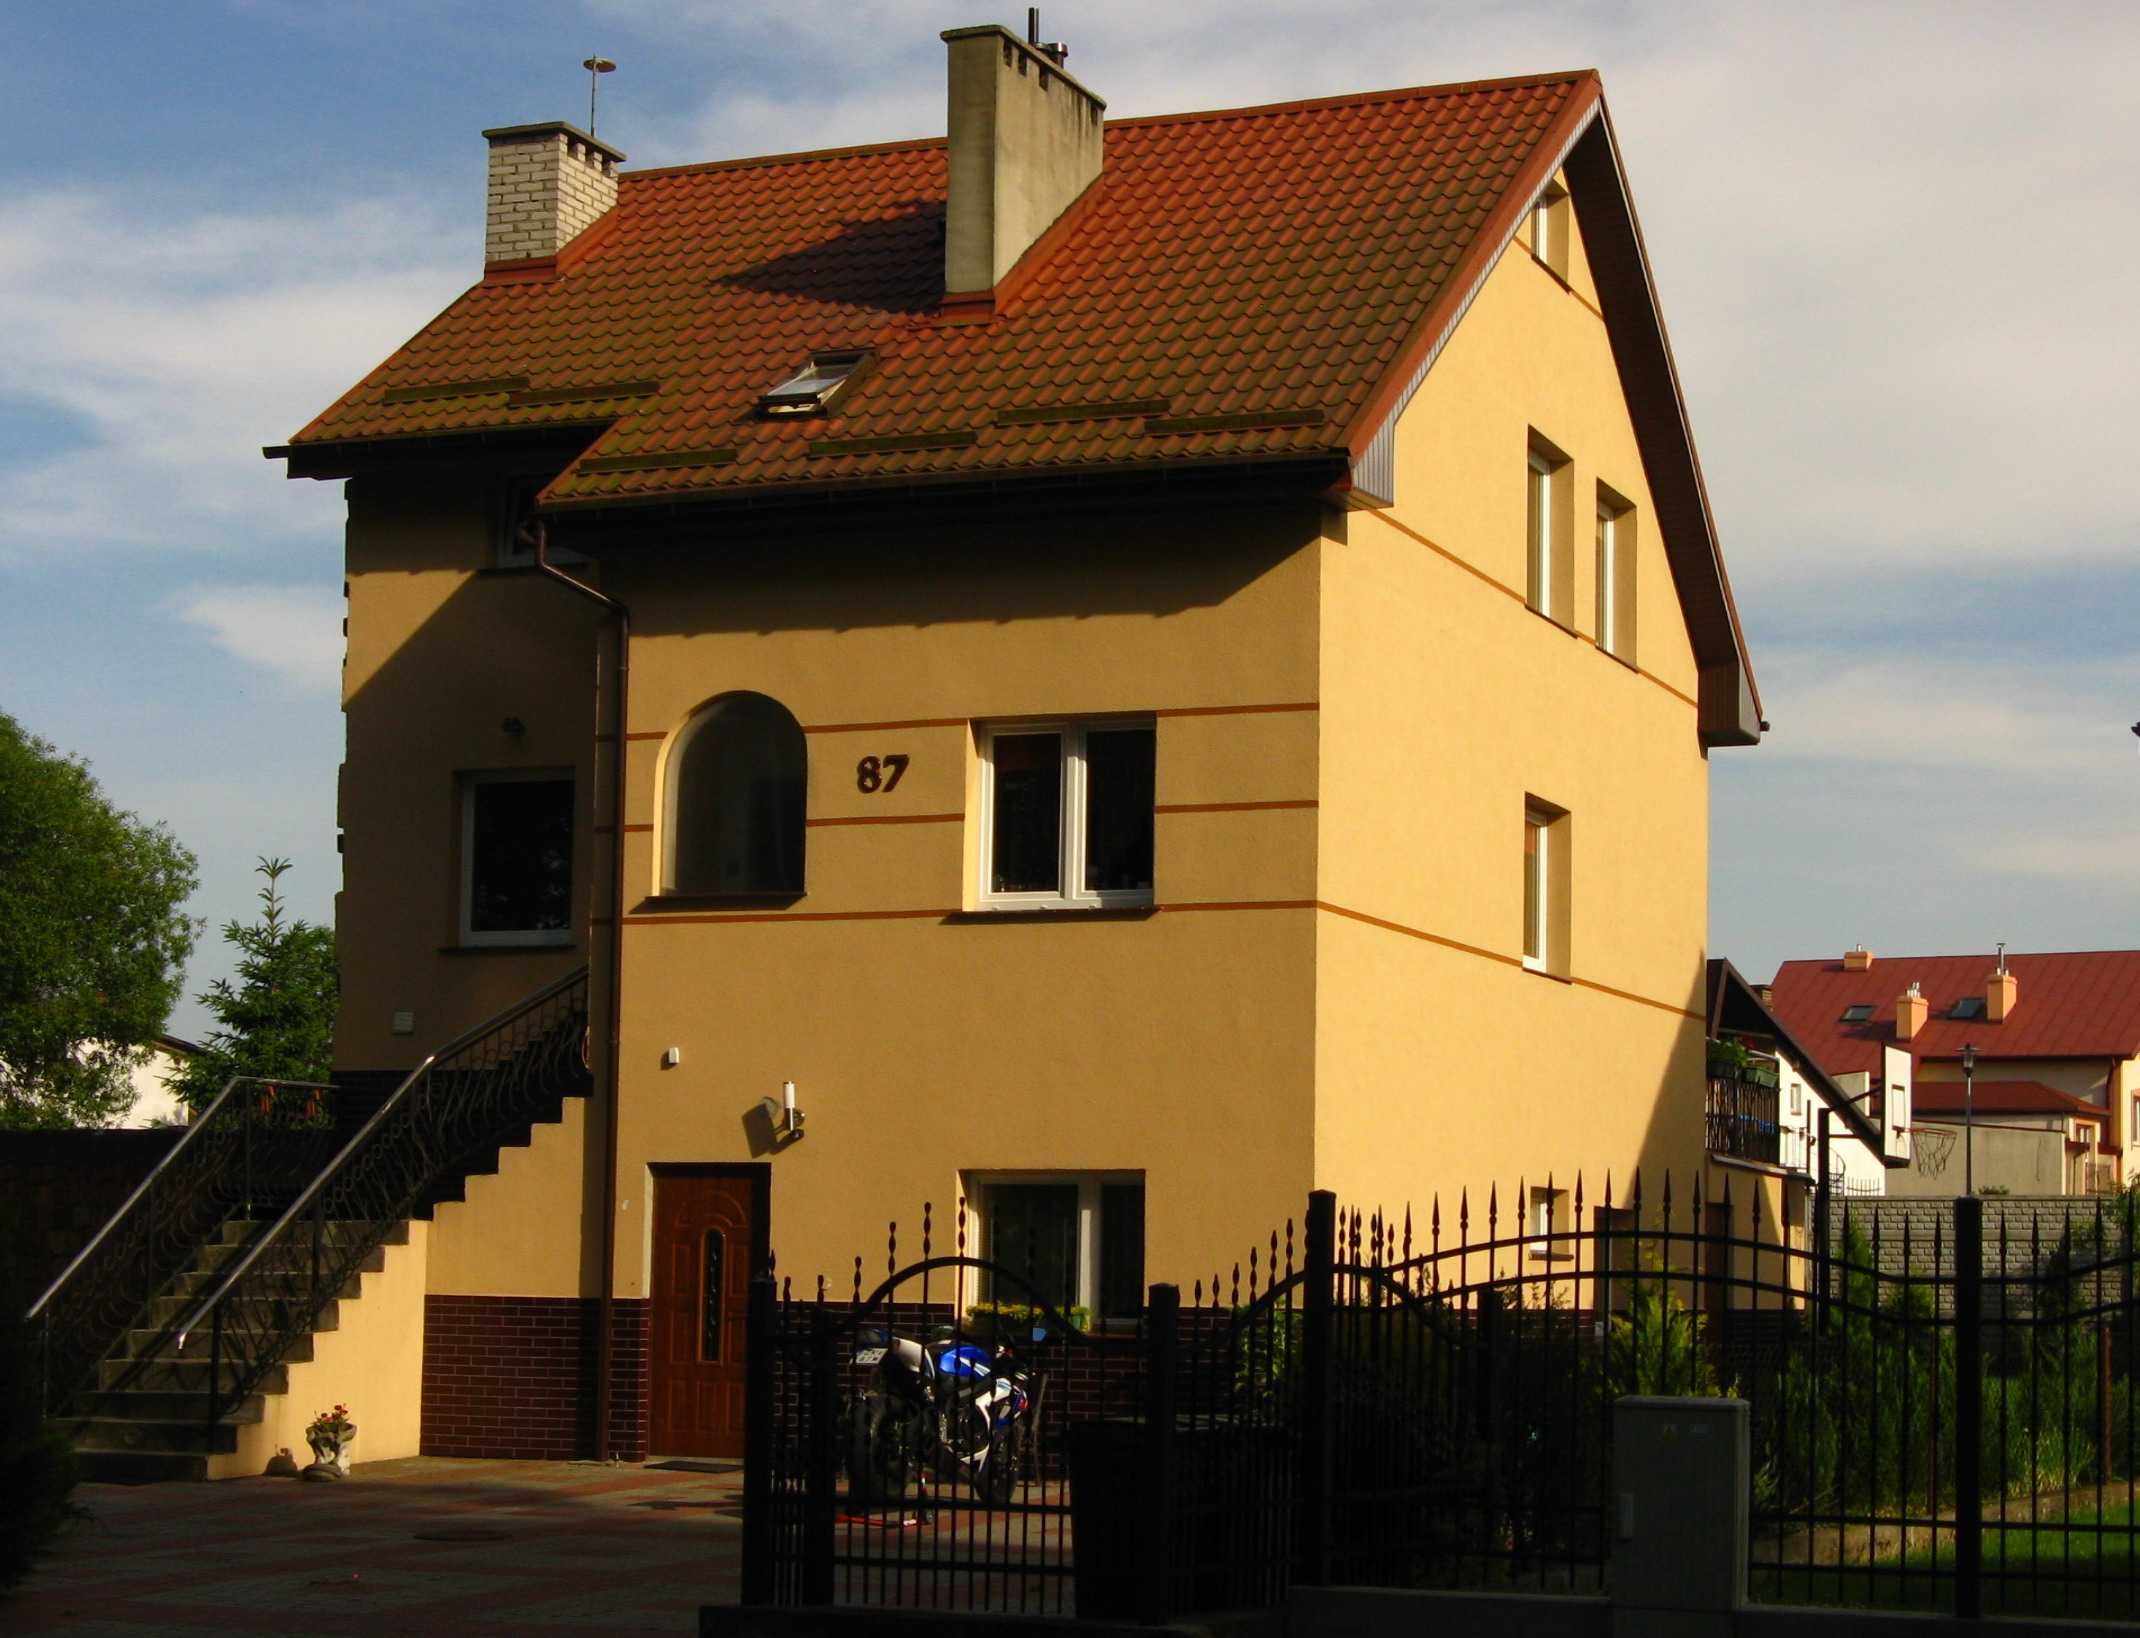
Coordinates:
(1066, 815)
(1549, 561)
(737, 789)
(1616, 576)
(516, 858)
(1546, 878)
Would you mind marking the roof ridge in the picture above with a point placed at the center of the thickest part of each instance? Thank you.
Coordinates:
(748, 161)
(1965, 955)
(1348, 99)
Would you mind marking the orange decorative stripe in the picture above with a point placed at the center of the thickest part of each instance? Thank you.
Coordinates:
(1419, 933)
(790, 915)
(1235, 710)
(1505, 590)
(1241, 904)
(1630, 995)
(634, 830)
(649, 733)
(874, 727)
(1231, 807)
(891, 819)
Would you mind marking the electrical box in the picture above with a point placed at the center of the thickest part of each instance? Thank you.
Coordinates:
(1682, 1486)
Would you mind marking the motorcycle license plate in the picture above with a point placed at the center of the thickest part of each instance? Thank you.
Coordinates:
(868, 1356)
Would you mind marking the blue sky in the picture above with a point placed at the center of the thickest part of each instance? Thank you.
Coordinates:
(1892, 242)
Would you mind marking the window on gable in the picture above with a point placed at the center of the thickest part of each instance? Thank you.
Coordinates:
(1077, 1239)
(1066, 815)
(1858, 1012)
(1616, 575)
(1549, 565)
(736, 792)
(516, 858)
(812, 389)
(1549, 229)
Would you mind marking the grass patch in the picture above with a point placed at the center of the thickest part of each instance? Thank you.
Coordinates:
(2080, 1565)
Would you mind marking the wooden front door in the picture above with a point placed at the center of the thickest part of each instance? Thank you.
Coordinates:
(709, 1230)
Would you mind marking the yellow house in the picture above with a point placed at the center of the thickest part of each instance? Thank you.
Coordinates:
(1115, 671)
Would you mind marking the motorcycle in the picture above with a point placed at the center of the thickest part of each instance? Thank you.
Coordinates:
(944, 1406)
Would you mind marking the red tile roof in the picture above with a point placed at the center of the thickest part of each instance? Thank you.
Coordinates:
(1999, 1098)
(2084, 1004)
(1248, 284)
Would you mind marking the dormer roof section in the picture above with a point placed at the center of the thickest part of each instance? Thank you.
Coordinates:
(1259, 289)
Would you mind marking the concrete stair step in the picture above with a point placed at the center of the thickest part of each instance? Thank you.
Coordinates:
(139, 1466)
(139, 1344)
(254, 1310)
(187, 1375)
(165, 1405)
(163, 1434)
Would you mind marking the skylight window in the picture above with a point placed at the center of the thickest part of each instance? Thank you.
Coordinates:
(1858, 1013)
(1970, 1006)
(812, 389)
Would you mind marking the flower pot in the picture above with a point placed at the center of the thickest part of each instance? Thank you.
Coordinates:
(330, 1454)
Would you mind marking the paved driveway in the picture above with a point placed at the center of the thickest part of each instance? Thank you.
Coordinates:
(418, 1546)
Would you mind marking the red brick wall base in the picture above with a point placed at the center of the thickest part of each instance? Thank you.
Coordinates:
(509, 1376)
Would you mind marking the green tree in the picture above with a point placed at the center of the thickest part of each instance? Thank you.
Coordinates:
(93, 942)
(278, 1018)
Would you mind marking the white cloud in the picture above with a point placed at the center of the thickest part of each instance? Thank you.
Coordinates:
(184, 344)
(290, 632)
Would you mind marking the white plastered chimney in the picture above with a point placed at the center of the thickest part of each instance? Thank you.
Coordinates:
(549, 183)
(1024, 140)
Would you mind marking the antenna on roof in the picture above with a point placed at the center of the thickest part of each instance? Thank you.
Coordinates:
(596, 67)
(2002, 955)
(1056, 51)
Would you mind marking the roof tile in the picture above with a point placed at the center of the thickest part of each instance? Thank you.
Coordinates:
(1258, 264)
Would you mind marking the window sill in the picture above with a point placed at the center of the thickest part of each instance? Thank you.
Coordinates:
(1068, 912)
(1546, 972)
(655, 903)
(545, 947)
(1620, 658)
(1538, 1256)
(1555, 621)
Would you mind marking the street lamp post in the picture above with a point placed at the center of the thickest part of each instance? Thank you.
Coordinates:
(1969, 1118)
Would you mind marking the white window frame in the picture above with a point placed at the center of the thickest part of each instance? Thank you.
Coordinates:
(1542, 228)
(534, 938)
(1608, 578)
(1086, 1294)
(1538, 864)
(1540, 545)
(1073, 894)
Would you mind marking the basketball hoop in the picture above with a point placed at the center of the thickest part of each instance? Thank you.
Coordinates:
(1934, 1146)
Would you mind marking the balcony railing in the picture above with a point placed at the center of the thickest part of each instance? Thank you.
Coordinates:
(1742, 1112)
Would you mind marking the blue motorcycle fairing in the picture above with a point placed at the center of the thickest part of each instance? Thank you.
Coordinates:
(967, 1361)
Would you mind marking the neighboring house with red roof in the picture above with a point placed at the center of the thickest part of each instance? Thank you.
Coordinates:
(2053, 1094)
(1141, 666)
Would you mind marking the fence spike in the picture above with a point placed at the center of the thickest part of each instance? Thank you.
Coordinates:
(858, 1279)
(787, 1288)
(1463, 1216)
(1234, 1296)
(1665, 1212)
(1252, 1276)
(1272, 1265)
(1289, 1247)
(821, 1289)
(1634, 1198)
(1578, 1222)
(1199, 1293)
(927, 1229)
(769, 1260)
(1608, 1188)
(891, 1247)
(961, 1224)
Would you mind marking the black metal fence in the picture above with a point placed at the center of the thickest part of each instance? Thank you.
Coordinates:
(1940, 1424)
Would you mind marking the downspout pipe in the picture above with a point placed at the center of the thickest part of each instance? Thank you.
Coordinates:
(605, 1345)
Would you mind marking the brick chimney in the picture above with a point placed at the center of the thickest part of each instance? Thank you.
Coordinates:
(549, 183)
(1025, 142)
(2001, 991)
(1911, 1010)
(1856, 959)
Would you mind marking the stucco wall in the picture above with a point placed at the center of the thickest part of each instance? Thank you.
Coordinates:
(927, 1043)
(1447, 701)
(442, 651)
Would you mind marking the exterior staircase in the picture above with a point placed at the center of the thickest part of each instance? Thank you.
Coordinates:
(175, 1327)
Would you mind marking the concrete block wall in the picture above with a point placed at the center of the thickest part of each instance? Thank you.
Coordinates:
(2021, 1237)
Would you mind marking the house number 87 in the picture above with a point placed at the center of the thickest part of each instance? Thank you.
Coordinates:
(875, 773)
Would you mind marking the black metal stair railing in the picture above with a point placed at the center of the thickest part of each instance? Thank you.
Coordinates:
(451, 1112)
(247, 1153)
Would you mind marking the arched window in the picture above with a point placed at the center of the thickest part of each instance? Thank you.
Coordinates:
(736, 800)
